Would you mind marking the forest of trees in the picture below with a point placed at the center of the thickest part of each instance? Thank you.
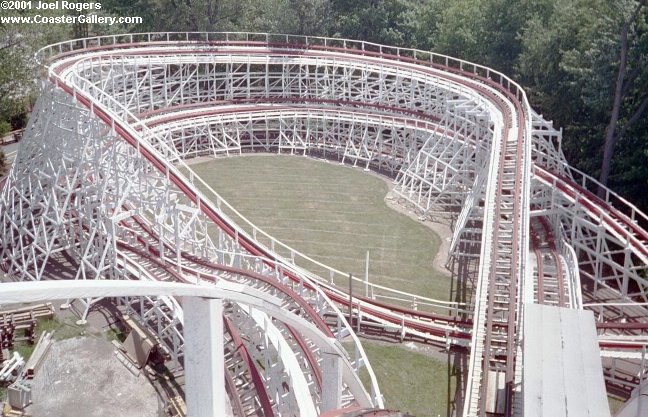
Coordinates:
(584, 63)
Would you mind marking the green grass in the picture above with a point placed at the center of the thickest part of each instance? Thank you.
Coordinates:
(615, 404)
(410, 382)
(335, 214)
(332, 213)
(24, 349)
(48, 325)
(66, 329)
(115, 334)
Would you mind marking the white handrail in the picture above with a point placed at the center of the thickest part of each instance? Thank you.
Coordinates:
(377, 398)
(148, 133)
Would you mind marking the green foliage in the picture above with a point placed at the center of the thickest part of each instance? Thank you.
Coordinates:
(66, 329)
(5, 127)
(559, 53)
(391, 22)
(3, 163)
(18, 43)
(223, 15)
(18, 67)
(458, 31)
(564, 52)
(116, 334)
(418, 384)
(569, 62)
(305, 17)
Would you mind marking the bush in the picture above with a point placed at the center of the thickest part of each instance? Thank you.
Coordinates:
(5, 127)
(3, 162)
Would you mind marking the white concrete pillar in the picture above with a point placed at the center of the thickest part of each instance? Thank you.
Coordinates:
(331, 382)
(204, 357)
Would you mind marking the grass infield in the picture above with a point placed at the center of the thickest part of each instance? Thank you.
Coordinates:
(334, 214)
(410, 381)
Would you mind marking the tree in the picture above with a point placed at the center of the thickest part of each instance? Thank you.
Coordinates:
(565, 66)
(306, 17)
(579, 71)
(631, 65)
(3, 163)
(483, 31)
(213, 15)
(459, 30)
(390, 22)
(18, 68)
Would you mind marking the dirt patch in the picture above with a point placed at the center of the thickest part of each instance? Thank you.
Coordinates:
(441, 229)
(82, 377)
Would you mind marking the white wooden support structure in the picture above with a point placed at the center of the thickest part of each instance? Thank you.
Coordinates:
(100, 189)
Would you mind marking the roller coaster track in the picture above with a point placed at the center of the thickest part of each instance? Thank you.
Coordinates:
(101, 178)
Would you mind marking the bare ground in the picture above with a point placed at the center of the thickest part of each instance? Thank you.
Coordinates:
(82, 377)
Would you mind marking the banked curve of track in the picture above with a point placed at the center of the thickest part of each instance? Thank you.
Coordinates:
(91, 70)
(488, 360)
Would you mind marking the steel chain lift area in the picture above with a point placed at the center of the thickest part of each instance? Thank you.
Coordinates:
(556, 311)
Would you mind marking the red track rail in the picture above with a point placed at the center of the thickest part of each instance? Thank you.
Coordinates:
(431, 328)
(553, 252)
(618, 223)
(262, 394)
(153, 256)
(612, 218)
(253, 248)
(551, 240)
(535, 244)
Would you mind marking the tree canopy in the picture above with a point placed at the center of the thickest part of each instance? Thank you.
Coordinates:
(583, 62)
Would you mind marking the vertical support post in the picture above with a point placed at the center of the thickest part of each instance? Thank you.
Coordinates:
(366, 280)
(359, 320)
(176, 240)
(204, 357)
(350, 298)
(627, 265)
(641, 377)
(331, 382)
(83, 320)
